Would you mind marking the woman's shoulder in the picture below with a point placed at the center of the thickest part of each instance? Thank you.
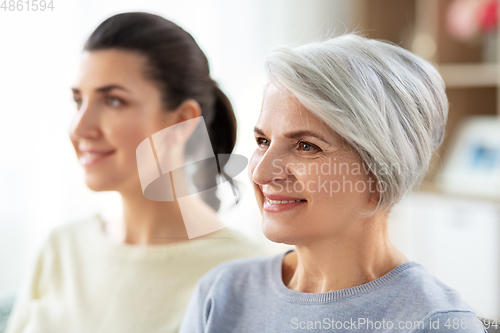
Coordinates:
(417, 287)
(54, 254)
(64, 241)
(73, 231)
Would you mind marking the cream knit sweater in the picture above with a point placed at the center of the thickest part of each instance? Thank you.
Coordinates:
(83, 282)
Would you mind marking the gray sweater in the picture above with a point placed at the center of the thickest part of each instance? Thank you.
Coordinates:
(249, 296)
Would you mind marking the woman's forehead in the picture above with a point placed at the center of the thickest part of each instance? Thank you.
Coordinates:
(282, 111)
(115, 65)
(113, 68)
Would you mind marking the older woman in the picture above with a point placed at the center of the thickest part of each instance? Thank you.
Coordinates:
(347, 127)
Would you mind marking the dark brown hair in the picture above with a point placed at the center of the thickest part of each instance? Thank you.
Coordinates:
(180, 69)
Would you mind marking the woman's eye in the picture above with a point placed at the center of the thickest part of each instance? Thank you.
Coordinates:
(78, 102)
(304, 146)
(114, 102)
(262, 142)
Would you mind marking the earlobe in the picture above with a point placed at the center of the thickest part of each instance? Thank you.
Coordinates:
(375, 197)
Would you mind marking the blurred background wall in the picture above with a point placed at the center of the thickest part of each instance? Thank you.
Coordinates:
(453, 232)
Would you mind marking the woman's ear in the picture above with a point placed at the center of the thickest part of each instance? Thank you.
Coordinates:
(187, 110)
(375, 195)
(185, 120)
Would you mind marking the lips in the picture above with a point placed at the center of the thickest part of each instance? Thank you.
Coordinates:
(90, 157)
(280, 203)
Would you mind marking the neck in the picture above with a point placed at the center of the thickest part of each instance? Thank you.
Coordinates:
(151, 222)
(148, 222)
(352, 258)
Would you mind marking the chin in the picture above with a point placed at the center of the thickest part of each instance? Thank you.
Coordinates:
(99, 185)
(277, 233)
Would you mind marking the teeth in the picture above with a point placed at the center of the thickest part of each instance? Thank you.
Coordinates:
(279, 202)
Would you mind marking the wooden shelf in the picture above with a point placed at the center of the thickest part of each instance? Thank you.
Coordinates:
(469, 75)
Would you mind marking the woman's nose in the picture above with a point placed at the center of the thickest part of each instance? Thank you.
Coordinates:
(269, 167)
(85, 124)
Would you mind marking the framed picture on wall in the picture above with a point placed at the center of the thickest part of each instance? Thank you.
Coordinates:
(472, 166)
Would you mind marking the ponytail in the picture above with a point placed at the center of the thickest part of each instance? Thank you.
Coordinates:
(222, 133)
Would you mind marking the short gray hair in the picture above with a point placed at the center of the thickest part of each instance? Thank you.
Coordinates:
(388, 104)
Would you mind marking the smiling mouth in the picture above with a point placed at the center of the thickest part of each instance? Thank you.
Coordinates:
(280, 202)
(89, 158)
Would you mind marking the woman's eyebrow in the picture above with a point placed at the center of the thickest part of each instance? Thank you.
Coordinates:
(103, 89)
(296, 134)
(258, 131)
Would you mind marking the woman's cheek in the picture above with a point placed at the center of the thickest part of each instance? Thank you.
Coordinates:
(125, 139)
(129, 131)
